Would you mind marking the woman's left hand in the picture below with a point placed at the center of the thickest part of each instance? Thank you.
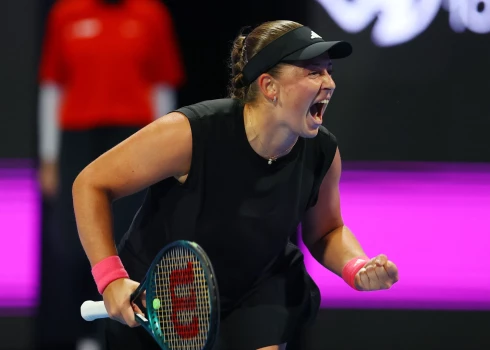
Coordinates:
(378, 273)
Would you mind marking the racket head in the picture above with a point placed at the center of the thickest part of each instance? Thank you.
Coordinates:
(182, 299)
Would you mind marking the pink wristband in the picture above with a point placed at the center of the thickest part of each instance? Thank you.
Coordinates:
(107, 271)
(352, 268)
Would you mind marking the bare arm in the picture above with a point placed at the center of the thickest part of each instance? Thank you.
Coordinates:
(164, 98)
(49, 137)
(160, 150)
(329, 241)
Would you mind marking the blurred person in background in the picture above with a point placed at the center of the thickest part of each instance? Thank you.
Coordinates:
(108, 68)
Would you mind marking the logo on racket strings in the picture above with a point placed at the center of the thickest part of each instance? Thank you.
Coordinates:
(185, 303)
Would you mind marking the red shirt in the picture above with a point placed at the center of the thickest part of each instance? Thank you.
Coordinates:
(107, 59)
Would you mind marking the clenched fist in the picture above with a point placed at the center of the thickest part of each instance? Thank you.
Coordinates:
(378, 273)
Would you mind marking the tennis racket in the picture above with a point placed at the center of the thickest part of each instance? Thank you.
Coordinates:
(182, 302)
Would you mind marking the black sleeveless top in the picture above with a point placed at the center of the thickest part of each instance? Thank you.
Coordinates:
(239, 208)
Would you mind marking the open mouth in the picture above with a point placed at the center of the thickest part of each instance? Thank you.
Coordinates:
(317, 109)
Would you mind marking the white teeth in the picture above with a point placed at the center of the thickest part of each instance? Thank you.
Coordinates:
(324, 101)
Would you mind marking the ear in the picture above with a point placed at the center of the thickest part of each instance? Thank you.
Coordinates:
(268, 86)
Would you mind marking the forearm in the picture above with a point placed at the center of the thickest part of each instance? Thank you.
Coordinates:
(336, 248)
(93, 212)
(49, 133)
(164, 100)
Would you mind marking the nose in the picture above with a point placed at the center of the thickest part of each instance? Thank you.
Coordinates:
(328, 82)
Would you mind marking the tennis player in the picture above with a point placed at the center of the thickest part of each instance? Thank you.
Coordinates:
(238, 176)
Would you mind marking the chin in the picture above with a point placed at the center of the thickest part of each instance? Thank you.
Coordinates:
(309, 133)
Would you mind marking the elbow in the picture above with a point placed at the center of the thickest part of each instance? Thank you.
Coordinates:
(86, 181)
(317, 248)
(316, 245)
(322, 238)
(319, 243)
(81, 183)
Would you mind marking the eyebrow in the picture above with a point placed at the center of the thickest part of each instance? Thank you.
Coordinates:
(319, 65)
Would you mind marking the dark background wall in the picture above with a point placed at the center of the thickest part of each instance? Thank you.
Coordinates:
(19, 34)
(423, 100)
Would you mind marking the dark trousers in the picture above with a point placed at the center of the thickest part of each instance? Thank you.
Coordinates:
(66, 279)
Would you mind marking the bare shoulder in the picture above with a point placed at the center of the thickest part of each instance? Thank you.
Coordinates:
(160, 150)
(173, 120)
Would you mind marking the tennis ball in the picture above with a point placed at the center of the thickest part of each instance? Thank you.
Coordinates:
(156, 303)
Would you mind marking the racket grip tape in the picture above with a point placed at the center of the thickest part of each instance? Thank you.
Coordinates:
(92, 310)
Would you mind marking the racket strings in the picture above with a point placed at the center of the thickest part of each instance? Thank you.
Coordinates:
(184, 310)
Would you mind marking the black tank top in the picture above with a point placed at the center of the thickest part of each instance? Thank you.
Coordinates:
(238, 207)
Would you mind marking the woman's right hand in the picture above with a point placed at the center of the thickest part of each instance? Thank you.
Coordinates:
(117, 301)
(48, 179)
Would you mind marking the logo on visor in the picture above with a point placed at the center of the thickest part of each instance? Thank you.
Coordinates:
(315, 35)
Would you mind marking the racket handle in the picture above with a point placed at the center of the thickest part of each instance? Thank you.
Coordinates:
(92, 310)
